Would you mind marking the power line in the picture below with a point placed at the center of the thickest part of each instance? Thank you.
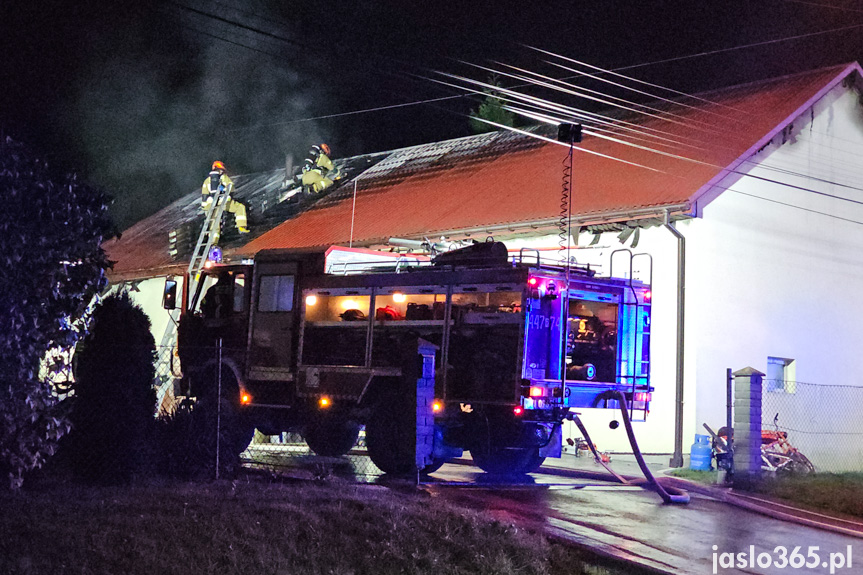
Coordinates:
(793, 206)
(743, 47)
(459, 96)
(830, 6)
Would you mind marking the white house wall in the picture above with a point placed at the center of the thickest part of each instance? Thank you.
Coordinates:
(148, 295)
(776, 271)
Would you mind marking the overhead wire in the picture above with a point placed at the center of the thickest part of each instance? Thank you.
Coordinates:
(612, 72)
(820, 213)
(461, 96)
(742, 47)
(553, 120)
(598, 133)
(822, 5)
(631, 107)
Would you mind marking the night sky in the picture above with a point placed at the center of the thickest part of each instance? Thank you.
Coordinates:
(141, 97)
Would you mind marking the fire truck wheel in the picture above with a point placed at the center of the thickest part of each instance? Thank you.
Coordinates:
(390, 437)
(507, 460)
(331, 436)
(235, 430)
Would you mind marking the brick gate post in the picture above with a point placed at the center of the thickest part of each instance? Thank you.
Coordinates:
(747, 423)
(425, 399)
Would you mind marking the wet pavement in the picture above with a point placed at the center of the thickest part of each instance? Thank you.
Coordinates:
(632, 523)
(575, 499)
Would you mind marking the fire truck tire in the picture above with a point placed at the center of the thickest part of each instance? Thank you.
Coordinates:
(236, 429)
(331, 437)
(507, 461)
(390, 438)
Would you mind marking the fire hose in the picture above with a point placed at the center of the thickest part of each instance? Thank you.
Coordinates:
(668, 494)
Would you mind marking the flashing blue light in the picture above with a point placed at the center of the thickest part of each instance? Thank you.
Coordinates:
(215, 254)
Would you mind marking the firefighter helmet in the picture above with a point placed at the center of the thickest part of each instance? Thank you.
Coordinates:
(217, 165)
(326, 149)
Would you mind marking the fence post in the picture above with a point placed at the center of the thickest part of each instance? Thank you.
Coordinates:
(425, 399)
(747, 423)
(218, 404)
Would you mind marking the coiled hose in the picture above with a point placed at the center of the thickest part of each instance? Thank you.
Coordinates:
(563, 221)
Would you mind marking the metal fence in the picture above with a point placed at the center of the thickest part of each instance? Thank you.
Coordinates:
(341, 450)
(821, 421)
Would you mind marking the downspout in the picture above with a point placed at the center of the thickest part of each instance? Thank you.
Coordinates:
(677, 456)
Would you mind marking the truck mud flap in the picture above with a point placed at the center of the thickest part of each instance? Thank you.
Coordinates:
(555, 443)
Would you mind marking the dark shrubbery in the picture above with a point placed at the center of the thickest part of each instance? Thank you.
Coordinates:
(181, 446)
(114, 404)
(51, 230)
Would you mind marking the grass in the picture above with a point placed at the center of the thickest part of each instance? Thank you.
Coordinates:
(705, 477)
(250, 527)
(838, 493)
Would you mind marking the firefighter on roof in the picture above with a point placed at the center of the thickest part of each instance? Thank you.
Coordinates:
(318, 171)
(216, 180)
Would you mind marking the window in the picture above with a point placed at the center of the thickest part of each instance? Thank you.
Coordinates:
(239, 292)
(276, 293)
(781, 375)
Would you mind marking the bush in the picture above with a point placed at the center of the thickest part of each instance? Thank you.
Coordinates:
(51, 228)
(180, 448)
(114, 404)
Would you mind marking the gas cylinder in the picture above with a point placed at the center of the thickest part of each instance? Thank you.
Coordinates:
(700, 453)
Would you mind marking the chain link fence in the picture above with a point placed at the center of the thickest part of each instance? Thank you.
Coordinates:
(319, 441)
(821, 422)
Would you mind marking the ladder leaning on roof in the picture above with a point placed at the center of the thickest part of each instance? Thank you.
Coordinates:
(209, 231)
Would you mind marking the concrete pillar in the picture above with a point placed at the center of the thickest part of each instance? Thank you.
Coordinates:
(425, 398)
(747, 423)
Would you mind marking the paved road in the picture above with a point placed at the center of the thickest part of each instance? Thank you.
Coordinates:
(631, 523)
(622, 521)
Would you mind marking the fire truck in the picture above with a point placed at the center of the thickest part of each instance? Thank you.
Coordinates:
(325, 346)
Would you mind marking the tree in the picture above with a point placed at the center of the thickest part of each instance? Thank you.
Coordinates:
(491, 109)
(114, 404)
(51, 230)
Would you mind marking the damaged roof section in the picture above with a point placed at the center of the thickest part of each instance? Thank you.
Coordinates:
(500, 181)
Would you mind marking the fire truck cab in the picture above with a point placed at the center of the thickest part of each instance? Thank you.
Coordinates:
(518, 345)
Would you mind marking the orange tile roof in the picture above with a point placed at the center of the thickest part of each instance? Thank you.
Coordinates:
(513, 188)
(506, 180)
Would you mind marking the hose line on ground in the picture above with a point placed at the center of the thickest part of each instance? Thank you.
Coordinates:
(676, 495)
(583, 430)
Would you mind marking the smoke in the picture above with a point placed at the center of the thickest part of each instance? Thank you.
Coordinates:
(157, 103)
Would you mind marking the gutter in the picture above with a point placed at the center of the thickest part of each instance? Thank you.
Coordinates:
(677, 456)
(604, 218)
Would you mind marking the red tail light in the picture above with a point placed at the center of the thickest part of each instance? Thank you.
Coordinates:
(518, 410)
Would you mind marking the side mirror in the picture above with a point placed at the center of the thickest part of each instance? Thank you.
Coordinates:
(169, 296)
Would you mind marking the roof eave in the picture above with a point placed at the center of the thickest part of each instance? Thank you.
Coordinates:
(679, 210)
(711, 190)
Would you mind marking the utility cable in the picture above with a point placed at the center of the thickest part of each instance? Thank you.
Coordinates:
(582, 92)
(611, 72)
(828, 6)
(742, 47)
(459, 96)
